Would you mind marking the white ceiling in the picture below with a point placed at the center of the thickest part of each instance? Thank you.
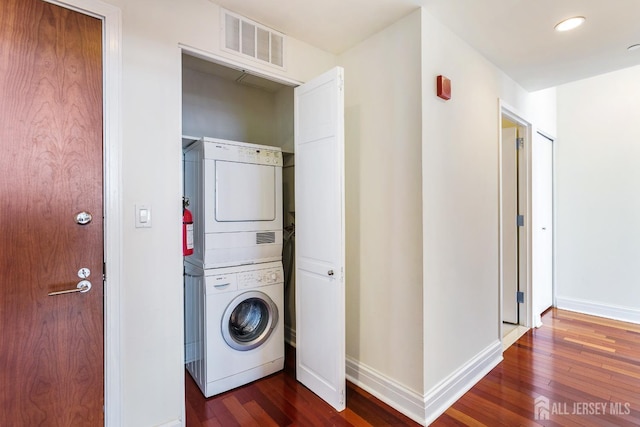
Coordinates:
(516, 35)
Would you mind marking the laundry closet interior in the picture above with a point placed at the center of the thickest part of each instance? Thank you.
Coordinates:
(222, 103)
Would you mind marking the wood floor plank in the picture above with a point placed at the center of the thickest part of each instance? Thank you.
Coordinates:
(192, 415)
(464, 418)
(240, 414)
(354, 419)
(218, 414)
(262, 418)
(588, 344)
(273, 411)
(212, 422)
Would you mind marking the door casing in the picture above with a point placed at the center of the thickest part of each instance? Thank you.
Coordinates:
(527, 316)
(525, 195)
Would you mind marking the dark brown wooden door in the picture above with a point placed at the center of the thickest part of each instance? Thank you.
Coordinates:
(51, 347)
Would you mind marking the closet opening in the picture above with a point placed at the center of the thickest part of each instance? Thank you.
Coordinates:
(227, 104)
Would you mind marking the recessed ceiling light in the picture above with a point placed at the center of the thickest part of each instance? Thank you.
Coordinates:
(570, 24)
(633, 47)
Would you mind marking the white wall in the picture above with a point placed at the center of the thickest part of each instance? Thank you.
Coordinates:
(597, 197)
(541, 106)
(220, 108)
(383, 203)
(284, 119)
(151, 305)
(460, 205)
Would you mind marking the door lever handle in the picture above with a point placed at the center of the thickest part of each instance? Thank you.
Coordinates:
(82, 286)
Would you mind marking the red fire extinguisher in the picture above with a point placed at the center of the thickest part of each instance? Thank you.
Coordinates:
(187, 229)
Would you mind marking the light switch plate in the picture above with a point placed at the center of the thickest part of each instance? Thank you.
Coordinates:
(143, 216)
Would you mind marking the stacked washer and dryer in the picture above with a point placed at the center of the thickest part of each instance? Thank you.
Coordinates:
(234, 284)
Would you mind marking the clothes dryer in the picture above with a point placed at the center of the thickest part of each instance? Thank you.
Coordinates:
(235, 195)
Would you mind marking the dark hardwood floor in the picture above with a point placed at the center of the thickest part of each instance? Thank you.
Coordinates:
(279, 400)
(588, 369)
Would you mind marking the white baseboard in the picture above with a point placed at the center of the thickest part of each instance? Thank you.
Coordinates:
(442, 396)
(174, 423)
(537, 320)
(386, 389)
(290, 335)
(425, 409)
(609, 311)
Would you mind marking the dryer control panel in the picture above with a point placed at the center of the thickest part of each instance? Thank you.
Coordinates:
(261, 277)
(243, 152)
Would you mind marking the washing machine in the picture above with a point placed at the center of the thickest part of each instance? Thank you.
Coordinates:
(234, 324)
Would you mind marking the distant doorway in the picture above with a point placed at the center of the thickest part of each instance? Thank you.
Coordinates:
(512, 220)
(515, 227)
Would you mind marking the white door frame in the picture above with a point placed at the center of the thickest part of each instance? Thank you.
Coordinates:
(112, 166)
(237, 65)
(525, 274)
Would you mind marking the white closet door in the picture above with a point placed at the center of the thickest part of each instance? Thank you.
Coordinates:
(542, 224)
(319, 195)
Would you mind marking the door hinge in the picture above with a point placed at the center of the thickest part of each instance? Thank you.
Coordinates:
(520, 297)
(519, 143)
(341, 83)
(342, 397)
(520, 220)
(104, 272)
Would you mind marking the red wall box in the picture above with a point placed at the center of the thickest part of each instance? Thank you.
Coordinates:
(444, 87)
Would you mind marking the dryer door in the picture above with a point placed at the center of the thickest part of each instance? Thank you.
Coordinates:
(249, 320)
(242, 196)
(245, 192)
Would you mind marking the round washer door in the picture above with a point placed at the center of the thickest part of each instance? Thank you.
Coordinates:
(249, 320)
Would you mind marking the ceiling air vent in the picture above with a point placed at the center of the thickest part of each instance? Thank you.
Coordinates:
(248, 38)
